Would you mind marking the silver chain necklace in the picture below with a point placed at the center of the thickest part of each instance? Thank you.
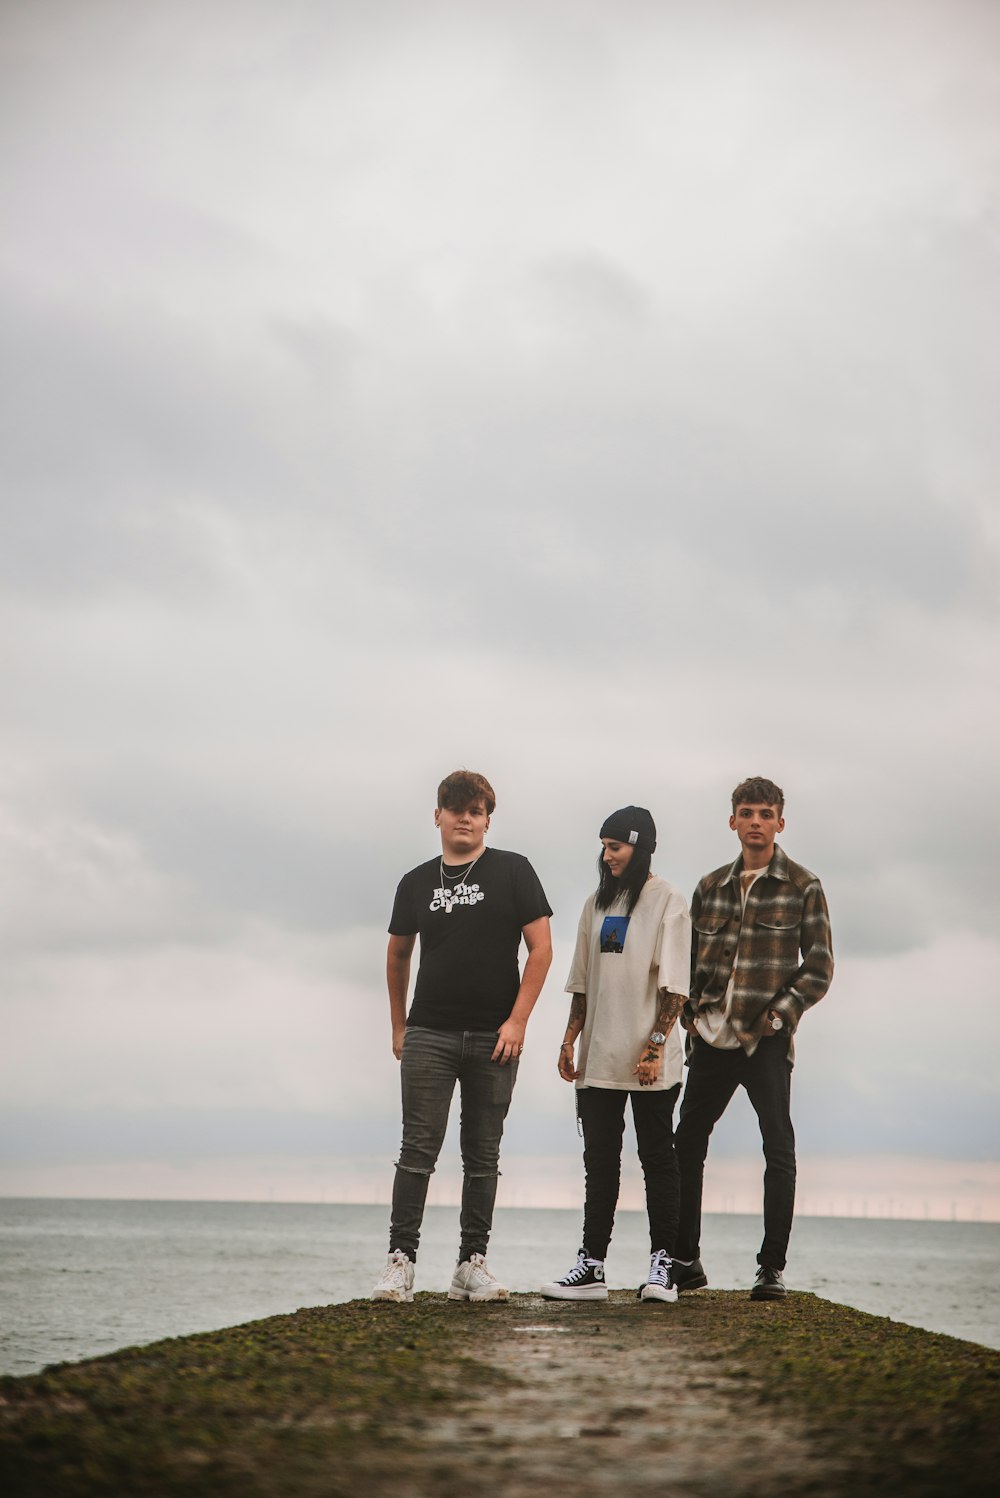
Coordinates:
(447, 880)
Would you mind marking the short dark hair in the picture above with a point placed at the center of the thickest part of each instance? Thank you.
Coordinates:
(757, 791)
(462, 787)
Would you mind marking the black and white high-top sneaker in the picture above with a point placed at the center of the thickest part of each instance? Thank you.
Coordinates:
(585, 1281)
(659, 1282)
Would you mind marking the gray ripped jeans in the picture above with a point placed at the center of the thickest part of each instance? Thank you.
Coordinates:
(433, 1061)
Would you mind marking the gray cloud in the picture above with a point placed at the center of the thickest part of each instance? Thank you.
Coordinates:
(602, 399)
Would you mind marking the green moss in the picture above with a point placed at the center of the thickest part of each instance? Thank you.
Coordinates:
(231, 1411)
(925, 1408)
(309, 1404)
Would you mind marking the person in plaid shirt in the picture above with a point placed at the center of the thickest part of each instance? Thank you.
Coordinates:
(761, 954)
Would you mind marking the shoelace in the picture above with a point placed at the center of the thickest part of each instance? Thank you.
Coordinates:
(579, 1271)
(479, 1263)
(396, 1271)
(659, 1269)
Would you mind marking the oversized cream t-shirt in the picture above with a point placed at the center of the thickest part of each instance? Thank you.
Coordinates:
(621, 963)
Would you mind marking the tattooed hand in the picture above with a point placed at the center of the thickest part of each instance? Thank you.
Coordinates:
(648, 1070)
(567, 1070)
(651, 1060)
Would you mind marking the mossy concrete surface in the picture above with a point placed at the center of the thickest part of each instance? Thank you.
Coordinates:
(713, 1395)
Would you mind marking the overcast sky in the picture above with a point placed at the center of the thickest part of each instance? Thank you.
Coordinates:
(601, 396)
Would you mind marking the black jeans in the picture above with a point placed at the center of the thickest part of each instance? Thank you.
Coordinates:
(713, 1077)
(602, 1114)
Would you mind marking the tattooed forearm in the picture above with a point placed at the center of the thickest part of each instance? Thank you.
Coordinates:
(577, 1015)
(671, 1005)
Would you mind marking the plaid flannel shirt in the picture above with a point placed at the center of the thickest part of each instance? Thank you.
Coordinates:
(785, 919)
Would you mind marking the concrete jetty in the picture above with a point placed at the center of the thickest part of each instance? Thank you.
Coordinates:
(715, 1395)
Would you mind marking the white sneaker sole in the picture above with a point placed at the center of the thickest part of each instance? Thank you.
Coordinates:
(479, 1296)
(574, 1292)
(402, 1297)
(658, 1292)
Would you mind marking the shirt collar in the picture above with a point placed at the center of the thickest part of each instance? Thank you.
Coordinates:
(776, 869)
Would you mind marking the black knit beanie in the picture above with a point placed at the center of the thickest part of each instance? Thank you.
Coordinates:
(633, 824)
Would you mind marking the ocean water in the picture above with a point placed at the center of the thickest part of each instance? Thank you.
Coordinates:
(81, 1278)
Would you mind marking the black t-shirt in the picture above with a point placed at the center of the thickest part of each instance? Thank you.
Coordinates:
(470, 935)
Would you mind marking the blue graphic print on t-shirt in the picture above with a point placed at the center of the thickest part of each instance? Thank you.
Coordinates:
(613, 932)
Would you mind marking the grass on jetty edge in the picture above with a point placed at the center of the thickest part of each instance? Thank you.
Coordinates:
(922, 1407)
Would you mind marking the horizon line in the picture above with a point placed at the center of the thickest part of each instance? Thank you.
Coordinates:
(976, 1218)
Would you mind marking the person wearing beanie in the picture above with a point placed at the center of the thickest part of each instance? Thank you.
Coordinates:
(629, 980)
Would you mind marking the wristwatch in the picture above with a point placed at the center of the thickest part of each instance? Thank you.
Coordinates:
(657, 1038)
(777, 1023)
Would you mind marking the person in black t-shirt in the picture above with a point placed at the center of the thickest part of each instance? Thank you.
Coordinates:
(470, 907)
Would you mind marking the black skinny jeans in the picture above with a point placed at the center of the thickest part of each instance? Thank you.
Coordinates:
(713, 1077)
(602, 1115)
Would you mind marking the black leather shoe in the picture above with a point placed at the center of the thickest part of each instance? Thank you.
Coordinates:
(689, 1276)
(768, 1285)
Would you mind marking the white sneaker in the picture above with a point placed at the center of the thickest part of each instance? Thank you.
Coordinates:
(659, 1283)
(585, 1281)
(473, 1281)
(397, 1278)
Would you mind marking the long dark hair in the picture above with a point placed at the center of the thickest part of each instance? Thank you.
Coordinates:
(628, 887)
